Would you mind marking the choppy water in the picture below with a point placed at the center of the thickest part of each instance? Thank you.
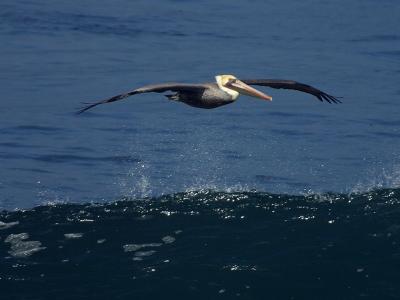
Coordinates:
(206, 244)
(201, 171)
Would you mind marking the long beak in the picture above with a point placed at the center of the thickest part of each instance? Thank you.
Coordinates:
(243, 88)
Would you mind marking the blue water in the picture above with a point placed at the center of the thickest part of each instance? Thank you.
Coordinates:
(317, 184)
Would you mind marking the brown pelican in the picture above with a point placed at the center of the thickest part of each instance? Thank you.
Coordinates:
(225, 90)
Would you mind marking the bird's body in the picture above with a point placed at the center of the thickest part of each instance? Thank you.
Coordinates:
(225, 90)
(209, 97)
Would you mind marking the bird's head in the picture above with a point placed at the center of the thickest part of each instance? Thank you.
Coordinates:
(233, 86)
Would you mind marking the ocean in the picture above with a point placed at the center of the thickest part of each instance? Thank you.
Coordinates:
(147, 198)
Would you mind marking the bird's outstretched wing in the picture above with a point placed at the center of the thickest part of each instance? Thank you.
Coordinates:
(293, 85)
(156, 88)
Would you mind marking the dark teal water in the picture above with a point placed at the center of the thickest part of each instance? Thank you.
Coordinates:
(290, 199)
(206, 244)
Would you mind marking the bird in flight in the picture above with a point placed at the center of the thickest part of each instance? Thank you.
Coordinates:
(225, 90)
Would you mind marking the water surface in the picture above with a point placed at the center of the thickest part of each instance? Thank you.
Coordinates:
(186, 176)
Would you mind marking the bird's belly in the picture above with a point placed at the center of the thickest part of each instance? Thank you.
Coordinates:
(206, 99)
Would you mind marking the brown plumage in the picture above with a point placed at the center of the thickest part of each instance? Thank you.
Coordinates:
(225, 90)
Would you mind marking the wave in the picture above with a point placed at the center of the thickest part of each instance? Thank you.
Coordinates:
(237, 197)
(214, 242)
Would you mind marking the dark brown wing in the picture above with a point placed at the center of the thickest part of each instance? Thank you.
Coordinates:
(156, 88)
(293, 85)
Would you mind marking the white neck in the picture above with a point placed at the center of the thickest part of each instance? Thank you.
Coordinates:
(234, 94)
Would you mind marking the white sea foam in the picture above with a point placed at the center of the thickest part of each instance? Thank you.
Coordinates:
(16, 237)
(20, 247)
(76, 235)
(168, 239)
(4, 225)
(135, 247)
(144, 253)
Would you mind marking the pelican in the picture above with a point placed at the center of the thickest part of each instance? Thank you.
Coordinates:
(225, 90)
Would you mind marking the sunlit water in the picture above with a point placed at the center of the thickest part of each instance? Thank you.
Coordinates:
(218, 218)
